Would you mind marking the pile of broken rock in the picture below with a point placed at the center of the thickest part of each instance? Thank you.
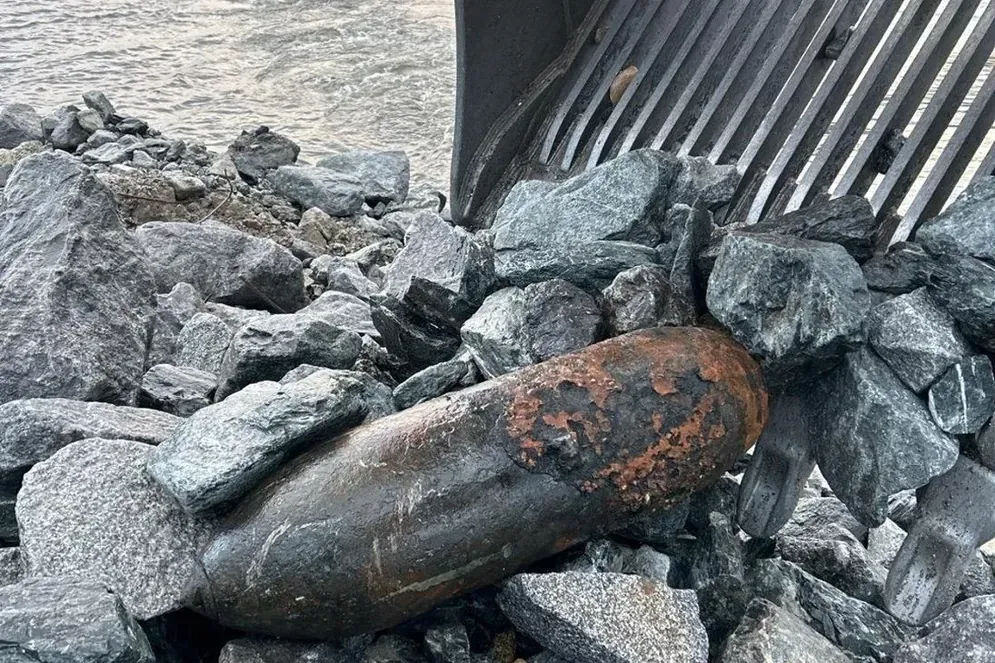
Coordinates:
(176, 324)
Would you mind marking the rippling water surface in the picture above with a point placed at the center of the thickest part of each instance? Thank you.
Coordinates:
(332, 74)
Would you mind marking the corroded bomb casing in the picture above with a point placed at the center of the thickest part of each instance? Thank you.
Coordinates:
(364, 531)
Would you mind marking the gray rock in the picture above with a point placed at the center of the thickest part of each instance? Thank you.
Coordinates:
(270, 347)
(331, 192)
(624, 199)
(449, 643)
(32, 430)
(815, 515)
(235, 317)
(519, 327)
(963, 400)
(917, 338)
(384, 175)
(391, 648)
(89, 120)
(874, 438)
(173, 311)
(11, 569)
(966, 227)
(178, 390)
(343, 311)
(837, 557)
(19, 123)
(342, 275)
(430, 383)
(186, 187)
(769, 634)
(906, 267)
(600, 556)
(418, 341)
(591, 265)
(903, 508)
(442, 274)
(848, 221)
(142, 159)
(68, 133)
(225, 265)
(203, 342)
(965, 287)
(703, 184)
(686, 231)
(133, 126)
(659, 527)
(71, 271)
(65, 620)
(606, 618)
(110, 523)
(985, 445)
(849, 623)
(261, 151)
(642, 297)
(963, 634)
(100, 138)
(377, 396)
(8, 518)
(796, 303)
(259, 650)
(649, 563)
(99, 102)
(222, 452)
(10, 158)
(107, 154)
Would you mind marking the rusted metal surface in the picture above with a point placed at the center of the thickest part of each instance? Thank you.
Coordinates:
(367, 530)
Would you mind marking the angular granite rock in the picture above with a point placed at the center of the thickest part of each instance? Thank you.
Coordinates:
(202, 343)
(342, 275)
(378, 397)
(68, 133)
(442, 274)
(963, 634)
(260, 650)
(258, 152)
(606, 617)
(430, 383)
(68, 620)
(874, 438)
(769, 634)
(111, 523)
(837, 557)
(333, 193)
(591, 266)
(519, 327)
(344, 311)
(32, 430)
(966, 227)
(384, 175)
(917, 338)
(815, 515)
(848, 221)
(75, 290)
(98, 101)
(179, 390)
(643, 297)
(222, 452)
(963, 400)
(413, 339)
(173, 311)
(796, 303)
(224, 265)
(965, 287)
(270, 347)
(19, 123)
(686, 232)
(702, 183)
(11, 569)
(906, 267)
(8, 518)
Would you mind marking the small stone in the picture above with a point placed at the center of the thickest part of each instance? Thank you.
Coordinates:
(837, 557)
(223, 166)
(90, 122)
(68, 621)
(258, 152)
(376, 254)
(591, 266)
(142, 159)
(225, 265)
(703, 184)
(222, 452)
(19, 123)
(11, 569)
(985, 445)
(917, 338)
(100, 138)
(186, 187)
(449, 643)
(430, 383)
(67, 134)
(798, 304)
(110, 523)
(966, 227)
(963, 634)
(342, 275)
(649, 563)
(133, 126)
(34, 429)
(963, 400)
(965, 287)
(607, 618)
(384, 175)
(270, 347)
(106, 154)
(203, 342)
(906, 267)
(333, 193)
(99, 102)
(600, 556)
(642, 297)
(259, 650)
(518, 327)
(768, 634)
(377, 395)
(815, 515)
(178, 390)
(392, 648)
(343, 311)
(173, 311)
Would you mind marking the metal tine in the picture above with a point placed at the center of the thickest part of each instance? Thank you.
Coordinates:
(860, 174)
(618, 12)
(699, 51)
(832, 94)
(730, 47)
(691, 18)
(776, 122)
(582, 124)
(935, 119)
(957, 155)
(759, 54)
(858, 112)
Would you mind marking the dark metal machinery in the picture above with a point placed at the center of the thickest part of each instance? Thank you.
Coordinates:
(809, 98)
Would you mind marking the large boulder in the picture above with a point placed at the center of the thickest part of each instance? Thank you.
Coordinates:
(967, 227)
(607, 617)
(965, 287)
(431, 382)
(963, 634)
(32, 430)
(334, 193)
(224, 265)
(904, 268)
(874, 438)
(70, 130)
(769, 634)
(643, 297)
(963, 400)
(64, 620)
(179, 390)
(109, 523)
(222, 452)
(384, 175)
(410, 337)
(258, 152)
(75, 290)
(19, 123)
(344, 311)
(798, 304)
(589, 265)
(848, 221)
(203, 341)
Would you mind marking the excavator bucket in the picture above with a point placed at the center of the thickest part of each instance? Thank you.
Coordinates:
(811, 99)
